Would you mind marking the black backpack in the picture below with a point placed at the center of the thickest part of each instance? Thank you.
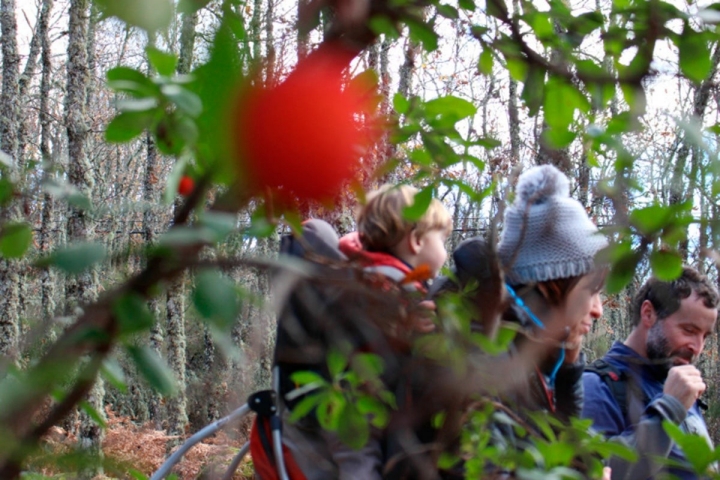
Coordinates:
(623, 389)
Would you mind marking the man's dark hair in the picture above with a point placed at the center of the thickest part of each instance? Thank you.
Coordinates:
(665, 297)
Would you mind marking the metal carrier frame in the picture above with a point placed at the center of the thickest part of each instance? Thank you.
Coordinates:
(265, 403)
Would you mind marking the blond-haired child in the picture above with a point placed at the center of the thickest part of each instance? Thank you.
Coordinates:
(406, 252)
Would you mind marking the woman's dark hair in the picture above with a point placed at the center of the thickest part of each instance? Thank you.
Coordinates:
(557, 290)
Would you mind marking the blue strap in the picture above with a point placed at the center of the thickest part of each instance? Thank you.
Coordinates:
(520, 303)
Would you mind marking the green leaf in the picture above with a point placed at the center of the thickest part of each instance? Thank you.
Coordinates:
(136, 475)
(184, 235)
(306, 377)
(478, 31)
(585, 23)
(129, 80)
(666, 265)
(541, 24)
(421, 202)
(382, 25)
(368, 366)
(136, 104)
(450, 106)
(15, 239)
(608, 448)
(517, 68)
(561, 101)
(620, 123)
(337, 363)
(485, 63)
(185, 100)
(6, 190)
(76, 258)
(329, 410)
(558, 110)
(128, 125)
(164, 63)
(623, 268)
(401, 104)
(556, 453)
(468, 5)
(191, 6)
(695, 447)
(420, 156)
(352, 427)
(153, 369)
(222, 224)
(216, 298)
(497, 8)
(150, 15)
(533, 90)
(371, 406)
(174, 132)
(113, 373)
(559, 138)
(649, 220)
(304, 407)
(127, 74)
(694, 54)
(132, 313)
(447, 11)
(93, 413)
(423, 33)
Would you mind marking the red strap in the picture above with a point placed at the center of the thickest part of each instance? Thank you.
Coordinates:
(548, 393)
(263, 461)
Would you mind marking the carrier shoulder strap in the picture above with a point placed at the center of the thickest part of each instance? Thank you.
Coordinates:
(616, 380)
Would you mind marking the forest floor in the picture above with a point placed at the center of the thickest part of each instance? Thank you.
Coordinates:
(141, 448)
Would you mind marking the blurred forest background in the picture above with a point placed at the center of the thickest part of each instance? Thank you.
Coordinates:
(73, 185)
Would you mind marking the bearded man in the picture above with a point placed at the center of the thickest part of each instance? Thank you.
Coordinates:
(652, 376)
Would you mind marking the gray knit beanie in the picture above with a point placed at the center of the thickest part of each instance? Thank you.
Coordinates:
(547, 235)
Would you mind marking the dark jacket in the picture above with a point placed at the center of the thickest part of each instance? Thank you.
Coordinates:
(641, 425)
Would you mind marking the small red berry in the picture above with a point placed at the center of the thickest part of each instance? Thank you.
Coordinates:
(186, 186)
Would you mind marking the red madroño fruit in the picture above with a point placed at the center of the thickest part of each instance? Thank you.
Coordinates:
(186, 185)
(303, 138)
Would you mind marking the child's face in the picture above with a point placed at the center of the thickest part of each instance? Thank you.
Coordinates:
(431, 251)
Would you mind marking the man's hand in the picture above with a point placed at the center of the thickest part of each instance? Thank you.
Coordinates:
(685, 383)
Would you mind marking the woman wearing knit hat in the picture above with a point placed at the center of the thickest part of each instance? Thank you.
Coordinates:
(547, 254)
(547, 251)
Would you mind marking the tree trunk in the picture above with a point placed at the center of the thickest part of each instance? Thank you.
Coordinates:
(176, 343)
(678, 191)
(302, 37)
(270, 40)
(175, 301)
(10, 270)
(81, 290)
(48, 225)
(256, 28)
(187, 42)
(151, 225)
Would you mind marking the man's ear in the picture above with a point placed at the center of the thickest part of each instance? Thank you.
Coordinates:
(648, 315)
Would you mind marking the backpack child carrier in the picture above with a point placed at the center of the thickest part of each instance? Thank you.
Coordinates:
(334, 306)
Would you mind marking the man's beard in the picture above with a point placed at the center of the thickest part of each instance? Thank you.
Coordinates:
(659, 351)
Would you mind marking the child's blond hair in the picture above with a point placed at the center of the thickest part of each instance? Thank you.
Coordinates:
(381, 225)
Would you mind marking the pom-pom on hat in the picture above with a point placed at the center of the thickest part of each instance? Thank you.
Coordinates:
(547, 235)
